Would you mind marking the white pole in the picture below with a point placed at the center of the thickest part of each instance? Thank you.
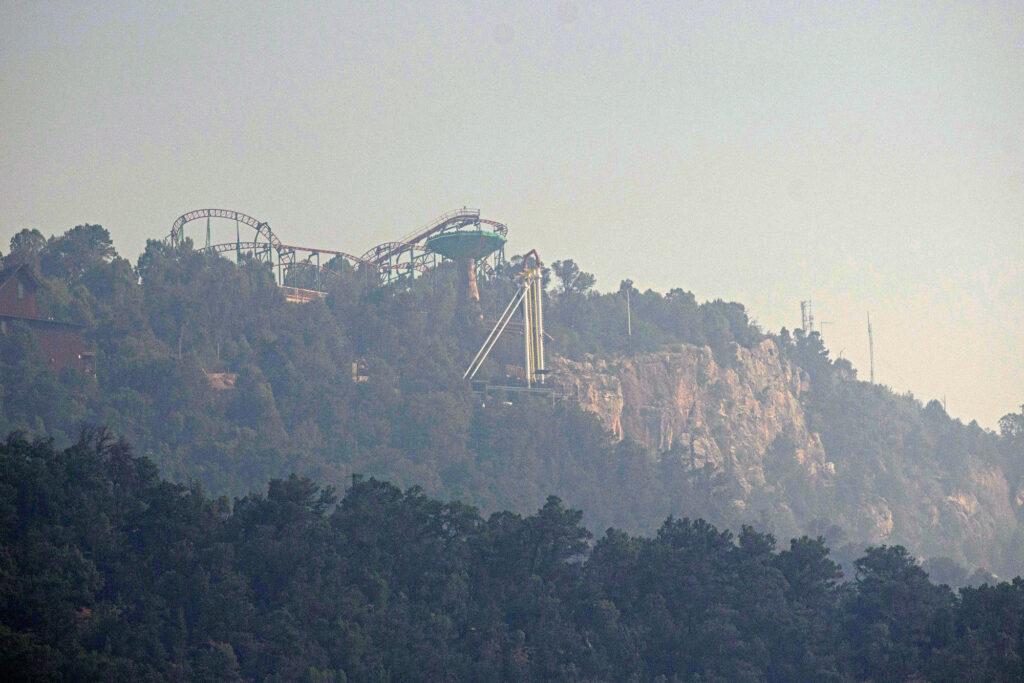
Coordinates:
(629, 316)
(540, 327)
(527, 338)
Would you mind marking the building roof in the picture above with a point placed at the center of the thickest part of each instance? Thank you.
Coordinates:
(23, 269)
(44, 321)
(26, 272)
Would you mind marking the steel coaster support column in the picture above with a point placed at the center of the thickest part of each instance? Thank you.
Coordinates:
(533, 327)
(528, 332)
(538, 325)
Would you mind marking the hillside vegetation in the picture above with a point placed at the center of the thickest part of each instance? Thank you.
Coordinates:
(163, 326)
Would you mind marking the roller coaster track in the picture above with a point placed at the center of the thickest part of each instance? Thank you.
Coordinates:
(262, 229)
(453, 220)
(321, 273)
(391, 261)
(407, 256)
(266, 246)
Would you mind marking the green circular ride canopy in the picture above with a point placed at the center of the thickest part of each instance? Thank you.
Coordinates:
(463, 244)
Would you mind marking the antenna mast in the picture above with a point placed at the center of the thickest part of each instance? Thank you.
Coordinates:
(807, 317)
(871, 348)
(629, 316)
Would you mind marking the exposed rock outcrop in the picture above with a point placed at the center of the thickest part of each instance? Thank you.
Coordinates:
(744, 420)
(682, 399)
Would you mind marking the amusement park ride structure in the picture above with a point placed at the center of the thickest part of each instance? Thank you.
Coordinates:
(461, 236)
(391, 261)
(529, 299)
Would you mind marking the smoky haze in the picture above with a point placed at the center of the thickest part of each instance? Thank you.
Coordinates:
(863, 157)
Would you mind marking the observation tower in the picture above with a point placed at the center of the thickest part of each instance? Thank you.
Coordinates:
(465, 246)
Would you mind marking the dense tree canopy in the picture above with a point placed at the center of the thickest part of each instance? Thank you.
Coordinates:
(108, 572)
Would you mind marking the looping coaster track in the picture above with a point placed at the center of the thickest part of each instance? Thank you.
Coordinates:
(299, 266)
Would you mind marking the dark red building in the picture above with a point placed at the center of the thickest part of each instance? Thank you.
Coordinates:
(61, 342)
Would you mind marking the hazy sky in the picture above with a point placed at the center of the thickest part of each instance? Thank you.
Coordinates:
(863, 156)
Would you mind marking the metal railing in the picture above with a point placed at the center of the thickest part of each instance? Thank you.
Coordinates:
(439, 222)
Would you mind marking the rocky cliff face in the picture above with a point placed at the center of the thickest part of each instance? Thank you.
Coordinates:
(728, 418)
(744, 421)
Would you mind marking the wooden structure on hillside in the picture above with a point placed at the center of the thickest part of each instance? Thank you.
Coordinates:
(60, 341)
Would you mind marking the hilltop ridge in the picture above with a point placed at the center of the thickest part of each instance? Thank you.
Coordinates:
(206, 368)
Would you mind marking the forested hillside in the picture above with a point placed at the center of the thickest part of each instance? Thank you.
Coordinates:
(109, 573)
(169, 329)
